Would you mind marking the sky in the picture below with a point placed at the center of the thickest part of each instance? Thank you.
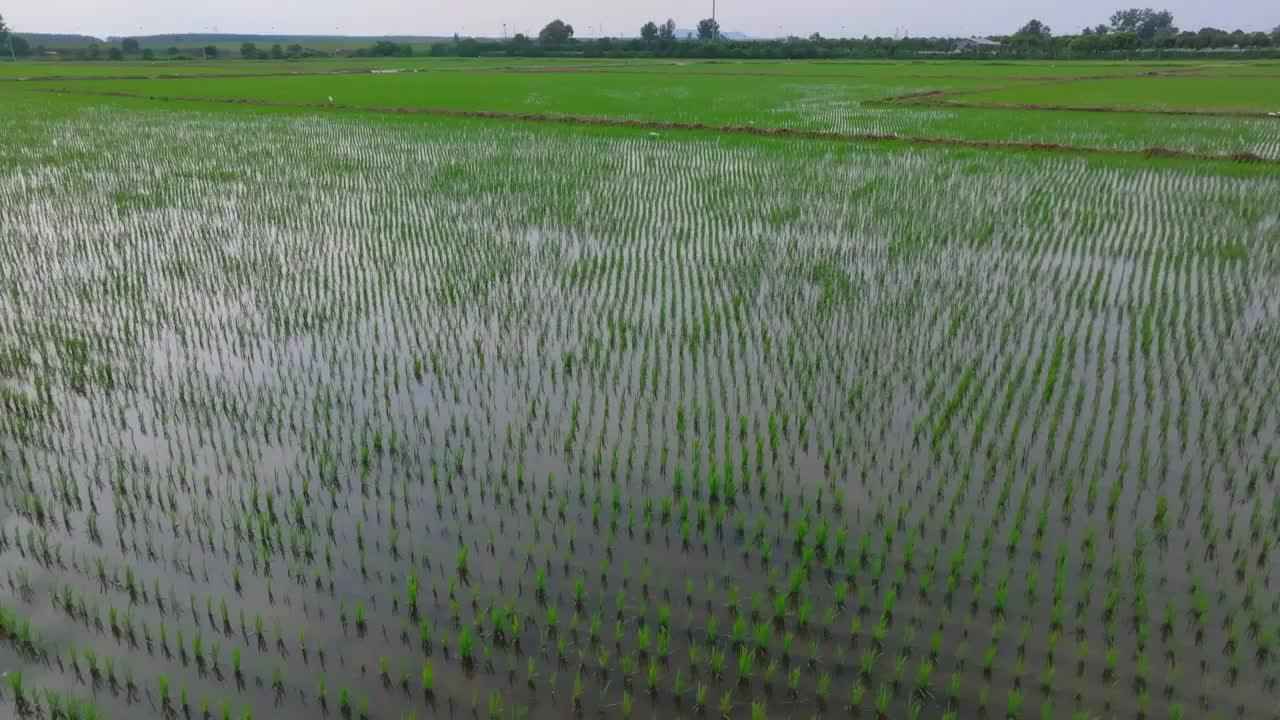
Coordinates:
(591, 18)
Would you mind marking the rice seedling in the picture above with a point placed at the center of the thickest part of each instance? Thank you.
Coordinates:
(970, 399)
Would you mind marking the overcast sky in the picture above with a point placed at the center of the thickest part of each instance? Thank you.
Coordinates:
(760, 18)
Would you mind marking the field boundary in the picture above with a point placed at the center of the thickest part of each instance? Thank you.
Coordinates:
(779, 132)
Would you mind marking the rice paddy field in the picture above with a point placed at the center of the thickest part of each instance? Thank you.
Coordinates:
(1193, 93)
(842, 98)
(26, 71)
(609, 405)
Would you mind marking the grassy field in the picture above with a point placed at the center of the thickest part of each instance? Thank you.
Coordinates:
(875, 69)
(720, 100)
(310, 412)
(1021, 70)
(802, 97)
(1259, 94)
(942, 68)
(162, 68)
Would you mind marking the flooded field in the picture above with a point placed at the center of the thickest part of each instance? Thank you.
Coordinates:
(382, 417)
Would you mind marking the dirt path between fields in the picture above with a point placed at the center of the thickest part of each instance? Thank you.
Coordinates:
(653, 125)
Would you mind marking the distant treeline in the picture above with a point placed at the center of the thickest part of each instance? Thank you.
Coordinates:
(1058, 47)
(236, 38)
(815, 47)
(1129, 33)
(55, 38)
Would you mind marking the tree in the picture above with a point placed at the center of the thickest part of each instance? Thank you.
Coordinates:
(1147, 23)
(114, 53)
(1122, 20)
(1258, 40)
(1209, 37)
(211, 52)
(667, 31)
(249, 51)
(277, 52)
(708, 29)
(7, 39)
(1033, 38)
(649, 32)
(557, 32)
(386, 48)
(129, 46)
(148, 54)
(1275, 34)
(815, 37)
(1035, 31)
(12, 45)
(1125, 41)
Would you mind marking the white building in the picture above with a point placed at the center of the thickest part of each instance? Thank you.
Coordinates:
(975, 44)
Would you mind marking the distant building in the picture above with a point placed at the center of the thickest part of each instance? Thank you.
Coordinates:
(975, 44)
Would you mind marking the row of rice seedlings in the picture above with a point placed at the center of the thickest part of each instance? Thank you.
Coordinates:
(470, 461)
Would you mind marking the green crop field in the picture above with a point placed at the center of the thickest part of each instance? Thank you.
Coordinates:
(720, 100)
(924, 68)
(163, 68)
(315, 409)
(1243, 93)
(803, 96)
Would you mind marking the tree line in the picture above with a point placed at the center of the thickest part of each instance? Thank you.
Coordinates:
(1131, 30)
(1127, 31)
